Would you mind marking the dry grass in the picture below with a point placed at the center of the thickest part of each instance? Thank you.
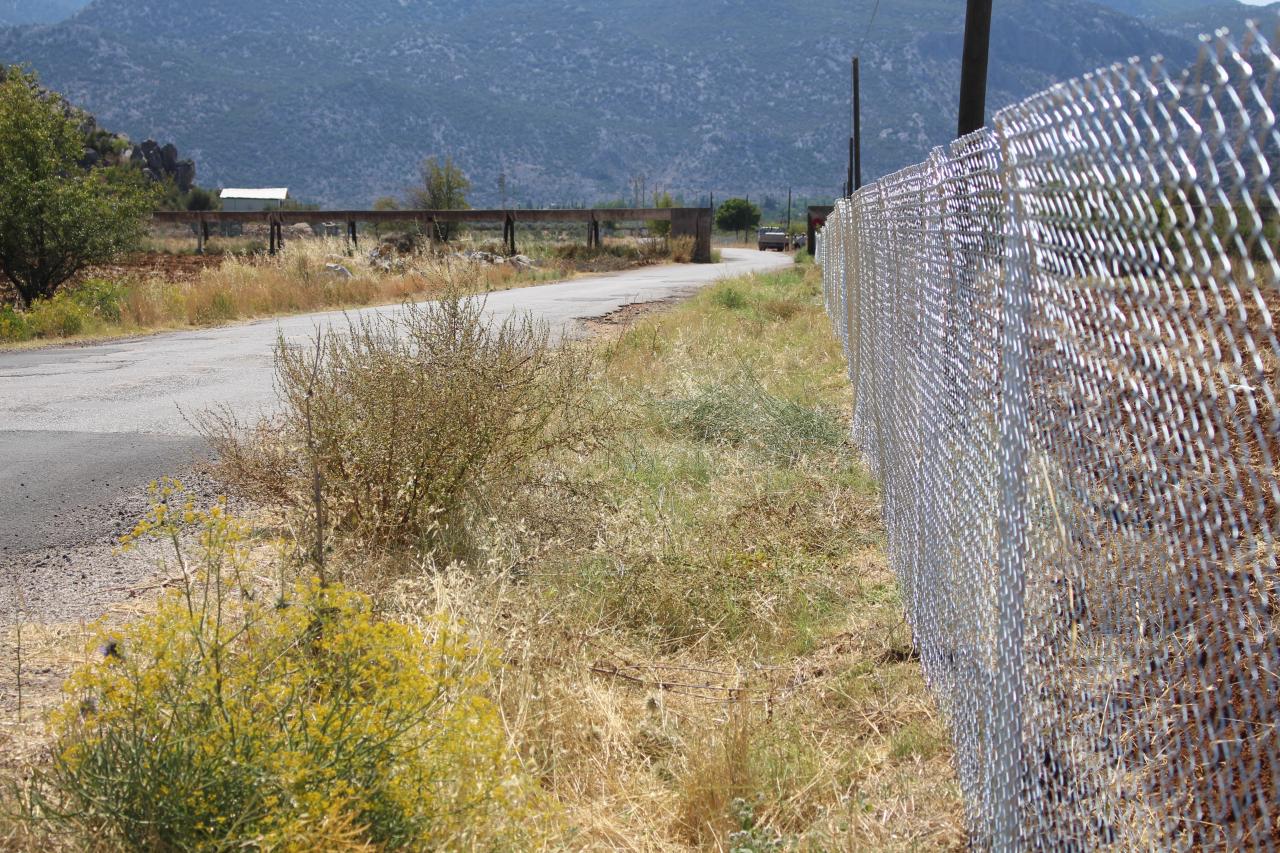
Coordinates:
(168, 288)
(410, 433)
(707, 650)
(302, 278)
(721, 659)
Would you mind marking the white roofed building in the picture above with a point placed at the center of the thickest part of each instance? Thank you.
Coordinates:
(268, 198)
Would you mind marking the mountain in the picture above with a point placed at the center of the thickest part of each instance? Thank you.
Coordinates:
(14, 12)
(1154, 8)
(566, 99)
(1189, 18)
(1208, 17)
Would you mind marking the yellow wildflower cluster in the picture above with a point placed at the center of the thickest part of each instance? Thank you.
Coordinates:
(173, 510)
(225, 719)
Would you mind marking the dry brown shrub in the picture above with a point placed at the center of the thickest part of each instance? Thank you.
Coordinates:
(416, 428)
(682, 249)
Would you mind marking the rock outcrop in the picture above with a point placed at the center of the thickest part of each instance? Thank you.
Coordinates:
(159, 163)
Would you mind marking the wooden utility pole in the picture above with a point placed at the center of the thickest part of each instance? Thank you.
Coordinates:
(973, 66)
(855, 141)
(788, 213)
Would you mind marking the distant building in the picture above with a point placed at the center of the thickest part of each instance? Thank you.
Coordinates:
(270, 198)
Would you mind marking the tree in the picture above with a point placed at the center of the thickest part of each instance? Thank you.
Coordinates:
(202, 199)
(661, 227)
(56, 218)
(737, 214)
(443, 187)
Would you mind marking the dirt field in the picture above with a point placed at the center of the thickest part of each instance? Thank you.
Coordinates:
(177, 268)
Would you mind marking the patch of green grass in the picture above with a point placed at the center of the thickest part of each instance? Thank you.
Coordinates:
(14, 326)
(741, 412)
(101, 297)
(729, 297)
(59, 317)
(916, 740)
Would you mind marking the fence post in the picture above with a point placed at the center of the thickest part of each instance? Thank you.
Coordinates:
(1013, 430)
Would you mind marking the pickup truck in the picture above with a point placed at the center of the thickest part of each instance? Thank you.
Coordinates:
(772, 238)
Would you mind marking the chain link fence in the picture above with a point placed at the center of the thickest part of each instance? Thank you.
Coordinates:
(1061, 332)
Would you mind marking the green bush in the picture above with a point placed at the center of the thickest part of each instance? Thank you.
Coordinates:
(14, 325)
(228, 720)
(100, 297)
(59, 317)
(730, 297)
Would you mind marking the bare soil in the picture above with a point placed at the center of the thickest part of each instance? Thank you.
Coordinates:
(176, 268)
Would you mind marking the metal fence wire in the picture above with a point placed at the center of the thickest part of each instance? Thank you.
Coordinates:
(1061, 335)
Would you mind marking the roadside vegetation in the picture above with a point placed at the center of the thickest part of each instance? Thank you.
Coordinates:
(308, 275)
(627, 594)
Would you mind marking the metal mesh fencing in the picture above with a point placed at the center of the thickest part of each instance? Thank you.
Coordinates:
(1061, 334)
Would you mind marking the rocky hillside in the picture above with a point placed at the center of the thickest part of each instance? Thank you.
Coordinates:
(566, 100)
(1209, 16)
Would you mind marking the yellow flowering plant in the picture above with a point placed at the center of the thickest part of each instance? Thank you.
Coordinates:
(225, 719)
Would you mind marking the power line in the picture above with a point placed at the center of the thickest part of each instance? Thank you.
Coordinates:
(871, 20)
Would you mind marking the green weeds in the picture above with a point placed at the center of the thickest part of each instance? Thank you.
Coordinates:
(741, 413)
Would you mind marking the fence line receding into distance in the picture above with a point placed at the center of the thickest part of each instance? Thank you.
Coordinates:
(1061, 332)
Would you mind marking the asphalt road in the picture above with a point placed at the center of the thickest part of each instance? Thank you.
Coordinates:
(84, 428)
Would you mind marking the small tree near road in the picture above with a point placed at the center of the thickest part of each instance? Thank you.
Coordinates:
(737, 214)
(56, 219)
(443, 187)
